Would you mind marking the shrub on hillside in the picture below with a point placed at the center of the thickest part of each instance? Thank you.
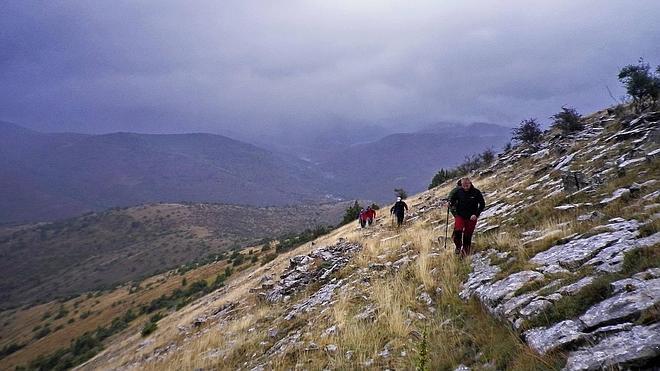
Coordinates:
(642, 84)
(43, 332)
(289, 241)
(442, 176)
(529, 132)
(238, 260)
(351, 213)
(268, 258)
(400, 192)
(487, 156)
(469, 164)
(568, 120)
(148, 328)
(10, 348)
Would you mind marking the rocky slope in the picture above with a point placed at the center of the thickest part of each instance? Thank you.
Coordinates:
(565, 276)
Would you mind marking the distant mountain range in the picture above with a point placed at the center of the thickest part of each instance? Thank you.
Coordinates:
(409, 160)
(51, 176)
(47, 176)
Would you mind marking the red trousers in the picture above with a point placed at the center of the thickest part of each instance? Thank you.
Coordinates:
(463, 230)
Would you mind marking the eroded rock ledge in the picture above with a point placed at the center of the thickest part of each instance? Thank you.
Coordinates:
(606, 333)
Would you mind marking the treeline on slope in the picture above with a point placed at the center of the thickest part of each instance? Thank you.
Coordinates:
(642, 86)
(83, 348)
(471, 163)
(90, 343)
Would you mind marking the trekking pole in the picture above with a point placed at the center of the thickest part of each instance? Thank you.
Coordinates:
(446, 226)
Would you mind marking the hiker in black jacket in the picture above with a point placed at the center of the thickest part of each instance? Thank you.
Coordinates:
(466, 204)
(399, 209)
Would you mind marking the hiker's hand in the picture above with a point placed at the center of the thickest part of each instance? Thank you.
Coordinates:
(473, 217)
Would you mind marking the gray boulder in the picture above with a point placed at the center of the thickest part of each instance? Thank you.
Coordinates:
(638, 346)
(504, 289)
(575, 252)
(573, 181)
(624, 304)
(482, 272)
(543, 340)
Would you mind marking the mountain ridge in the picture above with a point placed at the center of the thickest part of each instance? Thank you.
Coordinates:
(57, 175)
(93, 172)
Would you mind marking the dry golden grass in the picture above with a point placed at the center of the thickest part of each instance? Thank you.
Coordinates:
(502, 241)
(104, 306)
(219, 347)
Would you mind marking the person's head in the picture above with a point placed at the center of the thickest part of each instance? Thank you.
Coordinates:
(398, 198)
(466, 184)
(368, 207)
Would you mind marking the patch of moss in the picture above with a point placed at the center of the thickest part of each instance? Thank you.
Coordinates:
(572, 306)
(649, 228)
(531, 286)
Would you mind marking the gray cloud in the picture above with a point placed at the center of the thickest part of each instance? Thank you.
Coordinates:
(249, 66)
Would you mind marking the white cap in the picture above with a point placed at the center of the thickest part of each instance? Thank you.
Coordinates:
(398, 198)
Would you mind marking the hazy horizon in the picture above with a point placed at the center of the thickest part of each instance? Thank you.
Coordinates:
(268, 70)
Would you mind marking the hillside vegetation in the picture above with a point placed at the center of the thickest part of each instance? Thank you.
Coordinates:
(569, 241)
(34, 335)
(101, 250)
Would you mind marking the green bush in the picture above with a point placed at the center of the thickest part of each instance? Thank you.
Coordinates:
(61, 313)
(351, 214)
(568, 120)
(442, 176)
(156, 317)
(642, 84)
(289, 241)
(41, 333)
(529, 132)
(487, 156)
(148, 328)
(9, 349)
(268, 258)
(238, 260)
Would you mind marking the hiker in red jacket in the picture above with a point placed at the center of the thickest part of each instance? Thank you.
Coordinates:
(362, 217)
(371, 215)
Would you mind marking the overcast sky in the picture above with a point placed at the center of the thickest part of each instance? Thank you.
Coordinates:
(262, 66)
